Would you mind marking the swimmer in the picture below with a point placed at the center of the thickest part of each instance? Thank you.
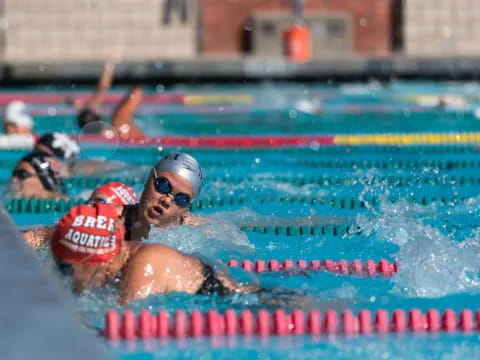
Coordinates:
(37, 176)
(312, 105)
(167, 194)
(113, 193)
(61, 146)
(16, 120)
(67, 151)
(92, 123)
(443, 102)
(57, 144)
(88, 244)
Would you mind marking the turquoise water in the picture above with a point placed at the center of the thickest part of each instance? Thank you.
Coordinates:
(436, 245)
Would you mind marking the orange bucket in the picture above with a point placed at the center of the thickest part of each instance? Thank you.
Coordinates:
(297, 45)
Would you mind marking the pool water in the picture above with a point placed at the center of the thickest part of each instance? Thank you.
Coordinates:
(425, 216)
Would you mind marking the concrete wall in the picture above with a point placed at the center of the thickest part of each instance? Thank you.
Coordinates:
(88, 30)
(225, 23)
(441, 27)
(38, 321)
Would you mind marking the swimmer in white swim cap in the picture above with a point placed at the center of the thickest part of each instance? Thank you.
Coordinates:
(16, 119)
(172, 185)
(167, 194)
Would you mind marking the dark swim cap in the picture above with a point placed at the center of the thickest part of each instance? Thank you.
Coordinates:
(184, 165)
(62, 145)
(89, 117)
(47, 169)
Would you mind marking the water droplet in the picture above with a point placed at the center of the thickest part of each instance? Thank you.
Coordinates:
(315, 145)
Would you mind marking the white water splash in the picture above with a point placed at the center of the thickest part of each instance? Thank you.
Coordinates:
(212, 238)
(430, 263)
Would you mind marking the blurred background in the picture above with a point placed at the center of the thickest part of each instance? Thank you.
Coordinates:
(64, 32)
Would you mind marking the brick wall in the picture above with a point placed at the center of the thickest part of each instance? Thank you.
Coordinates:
(441, 27)
(224, 22)
(88, 30)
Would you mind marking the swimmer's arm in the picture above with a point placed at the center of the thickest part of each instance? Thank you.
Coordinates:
(104, 83)
(122, 120)
(37, 237)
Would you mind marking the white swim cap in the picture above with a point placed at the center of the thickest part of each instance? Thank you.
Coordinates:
(62, 145)
(184, 165)
(15, 113)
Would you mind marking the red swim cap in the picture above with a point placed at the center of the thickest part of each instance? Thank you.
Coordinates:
(116, 193)
(88, 234)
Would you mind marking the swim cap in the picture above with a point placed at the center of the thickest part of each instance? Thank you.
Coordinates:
(47, 169)
(117, 194)
(15, 113)
(88, 234)
(87, 116)
(184, 165)
(62, 145)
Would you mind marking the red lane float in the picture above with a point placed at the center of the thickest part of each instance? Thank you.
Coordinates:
(279, 323)
(215, 141)
(369, 268)
(110, 98)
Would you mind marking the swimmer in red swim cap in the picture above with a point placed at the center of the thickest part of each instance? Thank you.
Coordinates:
(113, 193)
(88, 244)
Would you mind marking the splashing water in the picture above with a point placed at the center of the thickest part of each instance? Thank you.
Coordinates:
(432, 264)
(213, 238)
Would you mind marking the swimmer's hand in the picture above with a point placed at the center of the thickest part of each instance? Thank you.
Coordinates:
(292, 299)
(37, 237)
(286, 298)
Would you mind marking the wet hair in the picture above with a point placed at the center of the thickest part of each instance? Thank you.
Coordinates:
(87, 116)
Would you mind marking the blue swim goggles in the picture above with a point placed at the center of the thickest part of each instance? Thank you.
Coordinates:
(163, 186)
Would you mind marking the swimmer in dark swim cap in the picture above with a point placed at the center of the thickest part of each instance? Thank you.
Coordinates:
(67, 151)
(167, 194)
(37, 175)
(92, 123)
(57, 144)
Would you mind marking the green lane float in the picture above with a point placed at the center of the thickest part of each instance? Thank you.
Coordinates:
(335, 230)
(33, 206)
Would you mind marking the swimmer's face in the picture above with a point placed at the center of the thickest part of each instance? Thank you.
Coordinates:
(160, 209)
(13, 129)
(26, 183)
